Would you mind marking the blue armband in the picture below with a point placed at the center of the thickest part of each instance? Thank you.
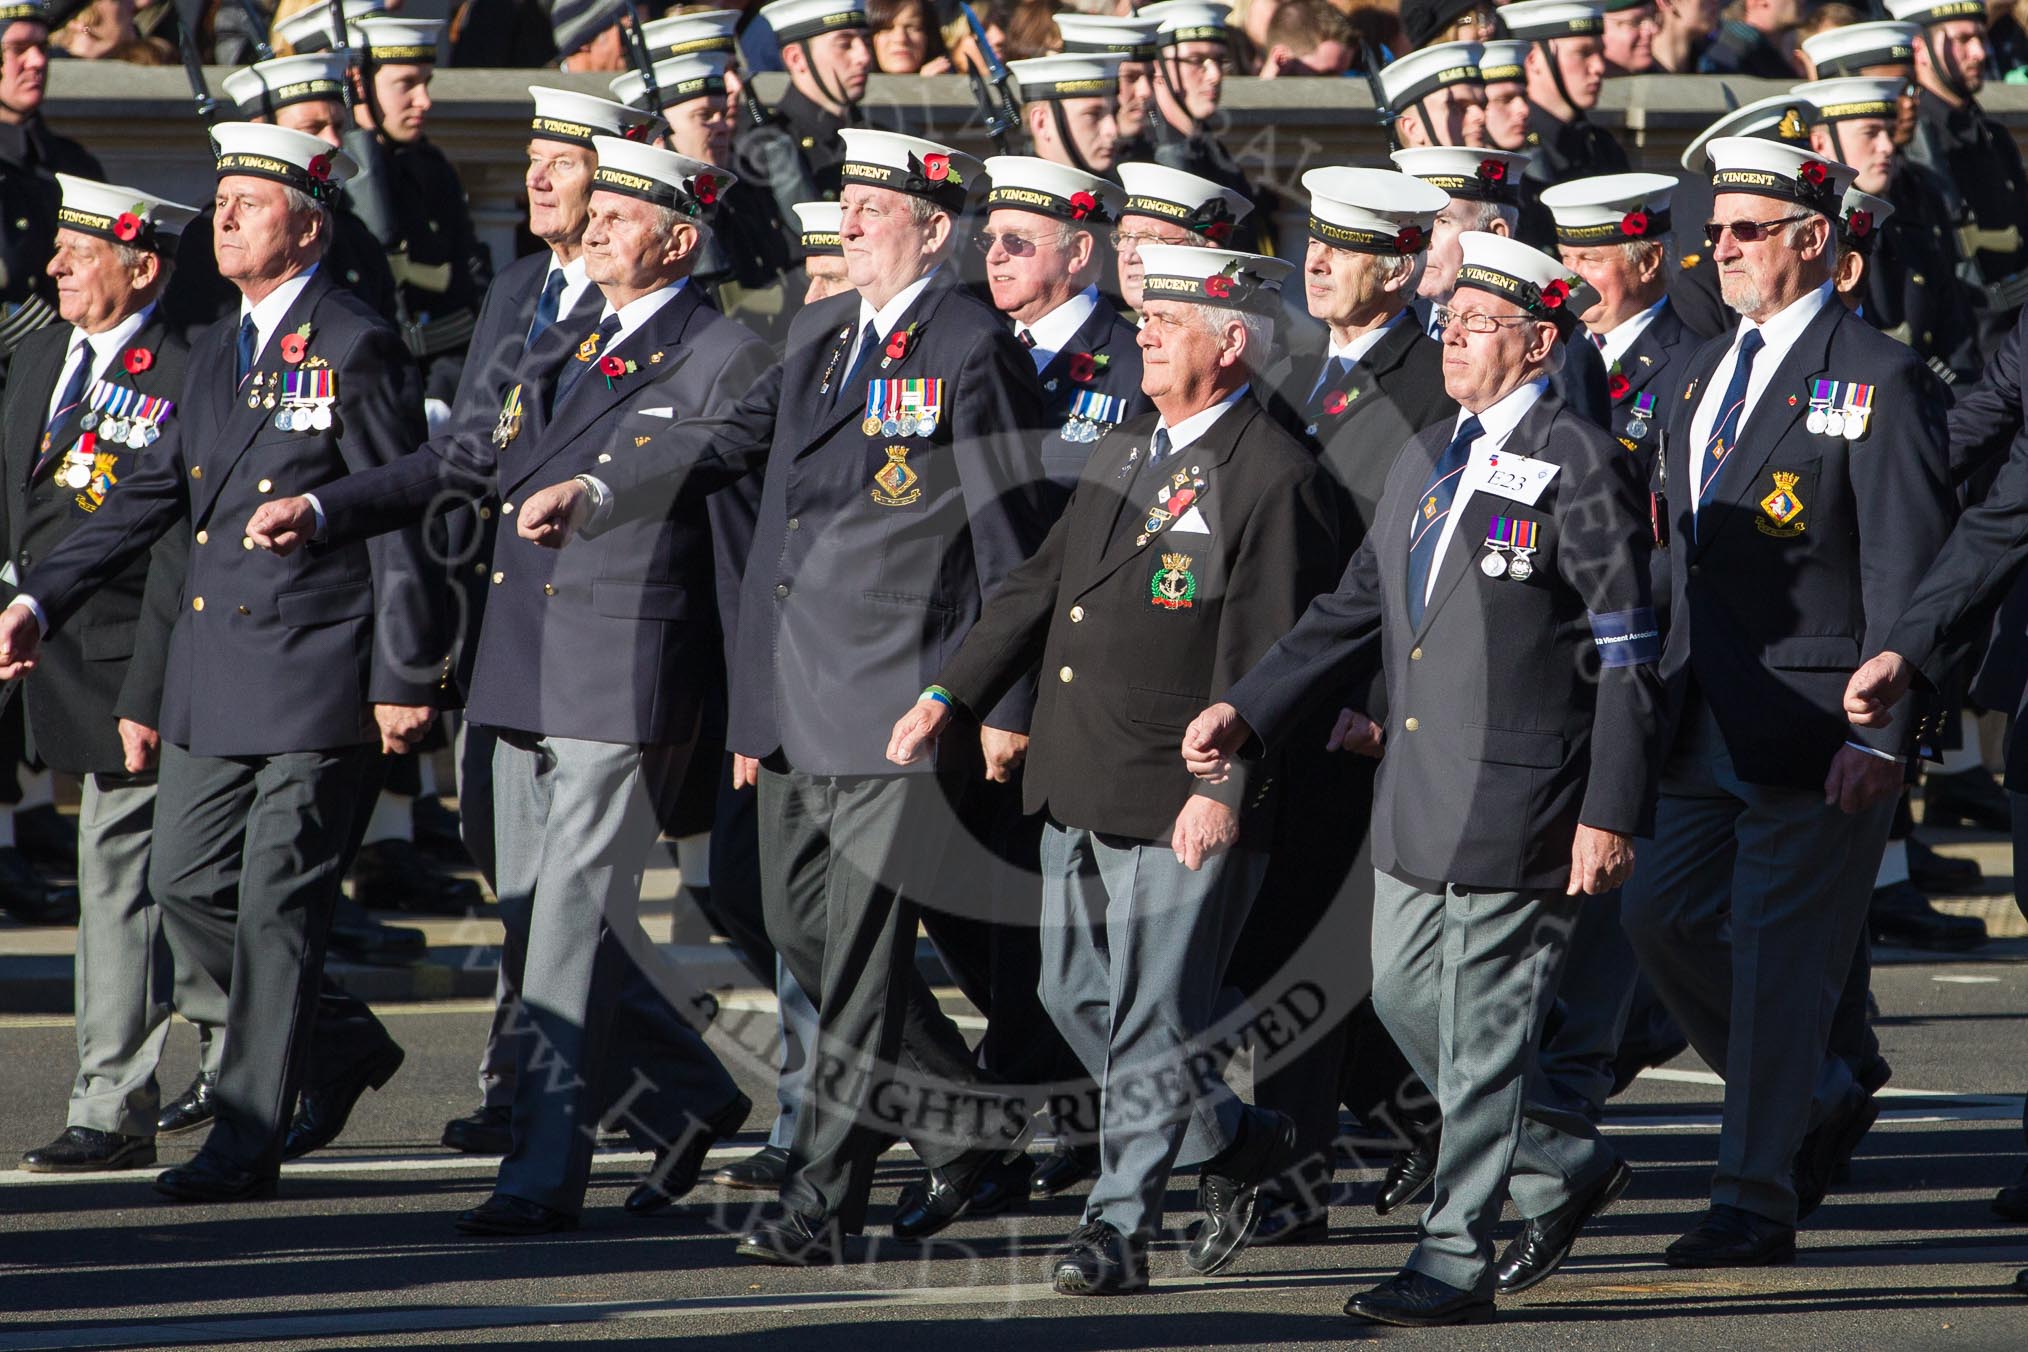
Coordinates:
(1627, 638)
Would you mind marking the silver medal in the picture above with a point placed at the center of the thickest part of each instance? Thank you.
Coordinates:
(909, 424)
(76, 475)
(150, 434)
(925, 426)
(1638, 428)
(1522, 569)
(282, 422)
(137, 436)
(1834, 423)
(89, 420)
(321, 418)
(890, 427)
(1494, 564)
(1815, 422)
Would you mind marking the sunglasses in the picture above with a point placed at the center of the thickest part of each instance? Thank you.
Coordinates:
(1016, 246)
(1747, 232)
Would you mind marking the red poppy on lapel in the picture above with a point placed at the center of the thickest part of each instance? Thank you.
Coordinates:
(137, 360)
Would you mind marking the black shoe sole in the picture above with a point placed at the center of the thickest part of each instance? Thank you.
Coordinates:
(184, 1130)
(1616, 1186)
(1477, 1314)
(1076, 1285)
(260, 1192)
(134, 1159)
(1970, 942)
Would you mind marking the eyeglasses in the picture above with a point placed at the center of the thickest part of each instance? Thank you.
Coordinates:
(1018, 246)
(1477, 321)
(1204, 61)
(1122, 238)
(1747, 232)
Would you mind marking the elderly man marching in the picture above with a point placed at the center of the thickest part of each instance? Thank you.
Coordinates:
(1503, 596)
(1133, 617)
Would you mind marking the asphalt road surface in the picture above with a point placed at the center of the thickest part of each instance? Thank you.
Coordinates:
(359, 1251)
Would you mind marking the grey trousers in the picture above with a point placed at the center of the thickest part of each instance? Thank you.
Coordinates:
(1134, 951)
(798, 1016)
(574, 822)
(1744, 909)
(124, 973)
(247, 857)
(1596, 994)
(845, 865)
(1464, 981)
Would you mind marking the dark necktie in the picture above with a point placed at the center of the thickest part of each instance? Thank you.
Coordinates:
(545, 308)
(1335, 372)
(1431, 510)
(1725, 432)
(573, 369)
(1159, 451)
(1027, 337)
(869, 338)
(249, 335)
(74, 388)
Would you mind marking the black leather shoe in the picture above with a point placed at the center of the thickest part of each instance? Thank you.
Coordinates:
(48, 838)
(940, 1195)
(81, 1150)
(376, 945)
(1411, 1300)
(1730, 1237)
(209, 1179)
(27, 896)
(1829, 1145)
(190, 1110)
(677, 1168)
(1971, 798)
(438, 832)
(2021, 1281)
(1100, 1261)
(1005, 1187)
(2011, 1203)
(790, 1239)
(1874, 1075)
(485, 1131)
(321, 1113)
(1408, 1174)
(393, 875)
(1946, 873)
(1228, 1190)
(1901, 914)
(1545, 1242)
(1063, 1169)
(762, 1171)
(504, 1217)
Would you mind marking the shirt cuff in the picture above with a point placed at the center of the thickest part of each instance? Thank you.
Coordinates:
(1876, 751)
(34, 608)
(318, 508)
(601, 496)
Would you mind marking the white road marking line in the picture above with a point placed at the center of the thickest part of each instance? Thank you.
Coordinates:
(1968, 980)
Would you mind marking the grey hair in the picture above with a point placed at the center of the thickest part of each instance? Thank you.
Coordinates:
(1408, 266)
(300, 202)
(1488, 212)
(1260, 330)
(1641, 251)
(921, 209)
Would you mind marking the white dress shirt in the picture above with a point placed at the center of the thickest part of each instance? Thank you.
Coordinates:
(1496, 424)
(1613, 346)
(1353, 352)
(1053, 332)
(101, 350)
(1187, 432)
(267, 313)
(575, 283)
(888, 316)
(1778, 335)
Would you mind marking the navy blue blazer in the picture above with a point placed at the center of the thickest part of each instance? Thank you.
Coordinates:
(1102, 359)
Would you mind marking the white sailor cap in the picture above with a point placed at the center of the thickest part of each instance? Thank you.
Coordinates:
(1500, 61)
(660, 176)
(1025, 183)
(909, 164)
(1778, 117)
(309, 30)
(678, 79)
(401, 42)
(575, 119)
(1541, 20)
(797, 20)
(265, 86)
(123, 215)
(1861, 46)
(575, 23)
(1853, 96)
(1610, 208)
(1222, 277)
(1536, 283)
(294, 158)
(1131, 37)
(820, 223)
(1198, 204)
(1860, 216)
(1179, 21)
(1787, 173)
(1469, 173)
(24, 11)
(1419, 73)
(1085, 75)
(1377, 211)
(1927, 12)
(705, 30)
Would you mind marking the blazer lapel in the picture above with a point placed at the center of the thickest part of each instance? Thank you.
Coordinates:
(241, 423)
(1679, 475)
(1782, 403)
(1195, 465)
(1091, 339)
(851, 404)
(1529, 435)
(1642, 363)
(25, 440)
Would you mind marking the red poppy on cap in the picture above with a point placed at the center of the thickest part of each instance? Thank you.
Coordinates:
(137, 360)
(127, 228)
(1493, 171)
(1859, 224)
(1218, 231)
(319, 168)
(936, 168)
(1408, 239)
(704, 188)
(1634, 223)
(1812, 173)
(1218, 288)
(1082, 204)
(1555, 294)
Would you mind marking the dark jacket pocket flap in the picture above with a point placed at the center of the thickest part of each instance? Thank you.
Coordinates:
(1813, 652)
(621, 599)
(1163, 708)
(1510, 746)
(104, 642)
(326, 605)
